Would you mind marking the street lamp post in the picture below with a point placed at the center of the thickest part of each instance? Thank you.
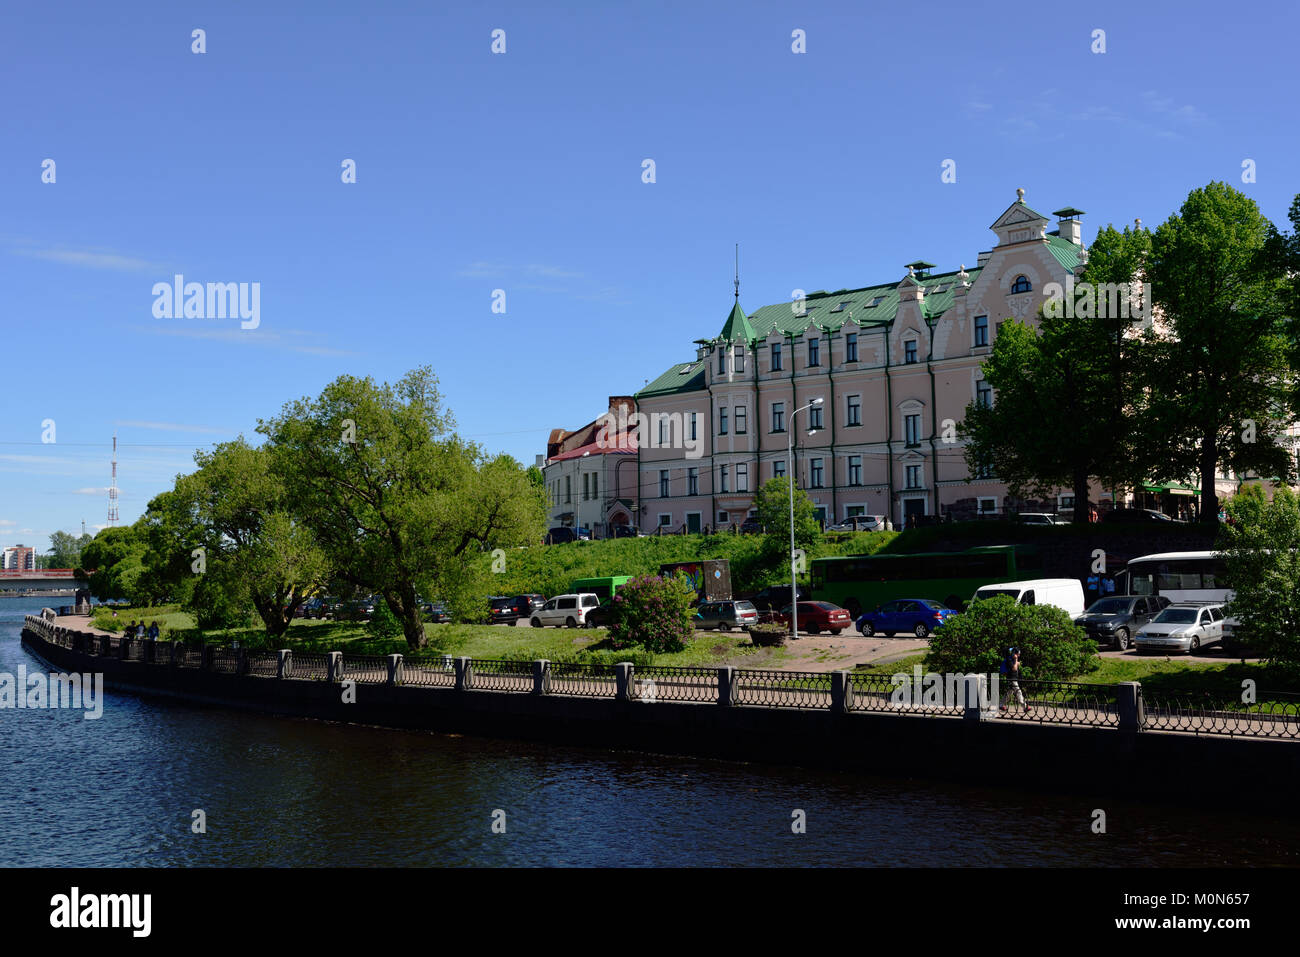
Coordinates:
(794, 587)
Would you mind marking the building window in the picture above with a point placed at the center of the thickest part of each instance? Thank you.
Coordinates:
(665, 519)
(663, 432)
(740, 359)
(1021, 285)
(987, 505)
(740, 420)
(776, 357)
(664, 490)
(778, 468)
(851, 347)
(912, 429)
(778, 416)
(595, 480)
(983, 395)
(693, 481)
(722, 362)
(909, 351)
(724, 483)
(568, 489)
(815, 417)
(722, 518)
(983, 469)
(981, 331)
(695, 426)
(855, 469)
(855, 410)
(814, 352)
(742, 478)
(586, 486)
(722, 421)
(817, 481)
(913, 476)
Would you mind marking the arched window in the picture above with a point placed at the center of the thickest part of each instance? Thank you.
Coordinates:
(1021, 285)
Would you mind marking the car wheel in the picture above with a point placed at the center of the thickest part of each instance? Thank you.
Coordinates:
(724, 626)
(812, 631)
(571, 622)
(921, 631)
(536, 622)
(1196, 643)
(836, 631)
(1121, 639)
(867, 629)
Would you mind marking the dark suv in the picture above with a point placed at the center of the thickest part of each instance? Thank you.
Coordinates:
(1114, 620)
(776, 597)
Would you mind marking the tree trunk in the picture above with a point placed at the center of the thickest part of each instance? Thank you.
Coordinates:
(1209, 468)
(405, 607)
(1081, 504)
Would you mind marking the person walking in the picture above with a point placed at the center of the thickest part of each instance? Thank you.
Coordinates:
(153, 631)
(1011, 673)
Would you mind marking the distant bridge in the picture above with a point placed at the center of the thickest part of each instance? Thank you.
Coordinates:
(39, 579)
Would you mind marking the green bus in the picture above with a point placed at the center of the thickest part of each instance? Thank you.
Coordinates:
(604, 587)
(862, 582)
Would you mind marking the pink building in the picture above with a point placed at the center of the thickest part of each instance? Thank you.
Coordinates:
(591, 473)
(895, 365)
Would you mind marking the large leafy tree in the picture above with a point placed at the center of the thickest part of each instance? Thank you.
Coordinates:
(1218, 375)
(111, 563)
(1065, 389)
(234, 508)
(1261, 546)
(398, 502)
(65, 549)
(772, 502)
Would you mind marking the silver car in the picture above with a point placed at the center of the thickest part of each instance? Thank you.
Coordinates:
(1183, 626)
(725, 615)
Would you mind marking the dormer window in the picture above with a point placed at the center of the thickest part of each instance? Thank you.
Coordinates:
(841, 307)
(814, 352)
(909, 351)
(1021, 284)
(722, 362)
(875, 302)
(776, 357)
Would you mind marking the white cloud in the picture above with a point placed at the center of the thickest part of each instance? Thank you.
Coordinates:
(90, 491)
(91, 259)
(172, 427)
(291, 340)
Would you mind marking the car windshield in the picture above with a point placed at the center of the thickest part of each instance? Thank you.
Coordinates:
(994, 592)
(1109, 606)
(928, 603)
(1176, 616)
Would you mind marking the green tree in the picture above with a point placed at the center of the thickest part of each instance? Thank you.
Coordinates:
(383, 623)
(112, 562)
(1261, 544)
(234, 509)
(1064, 410)
(772, 503)
(397, 500)
(1052, 647)
(65, 549)
(655, 613)
(1217, 371)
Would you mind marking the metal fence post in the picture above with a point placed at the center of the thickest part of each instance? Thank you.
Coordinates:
(464, 674)
(726, 685)
(623, 681)
(241, 662)
(841, 697)
(394, 670)
(541, 676)
(1132, 713)
(334, 665)
(284, 665)
(205, 657)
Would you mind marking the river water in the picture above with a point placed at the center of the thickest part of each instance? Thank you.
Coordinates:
(122, 790)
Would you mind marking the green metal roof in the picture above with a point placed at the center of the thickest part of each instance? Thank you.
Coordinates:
(737, 327)
(1065, 252)
(683, 377)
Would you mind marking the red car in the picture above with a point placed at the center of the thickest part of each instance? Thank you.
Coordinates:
(816, 616)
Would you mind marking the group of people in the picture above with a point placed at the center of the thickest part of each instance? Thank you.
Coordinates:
(139, 630)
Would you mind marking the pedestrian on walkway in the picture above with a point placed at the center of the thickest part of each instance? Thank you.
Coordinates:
(1011, 674)
(153, 631)
(129, 632)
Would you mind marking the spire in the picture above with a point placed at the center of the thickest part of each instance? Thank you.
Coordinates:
(737, 328)
(737, 273)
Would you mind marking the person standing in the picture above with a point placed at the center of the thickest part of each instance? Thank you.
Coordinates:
(1011, 672)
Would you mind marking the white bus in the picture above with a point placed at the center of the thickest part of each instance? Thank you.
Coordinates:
(1181, 576)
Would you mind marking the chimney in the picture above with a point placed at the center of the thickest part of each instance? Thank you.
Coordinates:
(982, 258)
(1070, 227)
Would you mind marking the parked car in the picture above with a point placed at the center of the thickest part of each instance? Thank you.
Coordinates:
(1136, 516)
(1064, 593)
(920, 616)
(859, 523)
(563, 533)
(751, 526)
(507, 610)
(1112, 621)
(312, 608)
(435, 612)
(777, 596)
(725, 615)
(565, 610)
(817, 616)
(626, 531)
(601, 616)
(1036, 518)
(1183, 626)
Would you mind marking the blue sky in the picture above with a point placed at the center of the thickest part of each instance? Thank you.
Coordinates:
(523, 171)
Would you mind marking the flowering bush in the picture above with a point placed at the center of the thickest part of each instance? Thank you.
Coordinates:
(655, 613)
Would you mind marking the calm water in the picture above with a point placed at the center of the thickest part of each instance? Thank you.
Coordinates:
(277, 791)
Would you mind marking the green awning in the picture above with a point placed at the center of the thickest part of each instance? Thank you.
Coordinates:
(1172, 488)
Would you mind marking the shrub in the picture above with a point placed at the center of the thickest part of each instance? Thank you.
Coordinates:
(654, 613)
(1052, 647)
(383, 623)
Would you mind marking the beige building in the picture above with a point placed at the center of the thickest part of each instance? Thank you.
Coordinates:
(895, 366)
(590, 472)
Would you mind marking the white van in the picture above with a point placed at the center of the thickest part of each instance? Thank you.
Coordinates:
(1064, 593)
(565, 610)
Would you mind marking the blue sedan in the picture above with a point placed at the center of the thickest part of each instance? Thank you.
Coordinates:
(920, 616)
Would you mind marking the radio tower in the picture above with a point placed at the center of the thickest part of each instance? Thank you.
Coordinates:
(112, 489)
